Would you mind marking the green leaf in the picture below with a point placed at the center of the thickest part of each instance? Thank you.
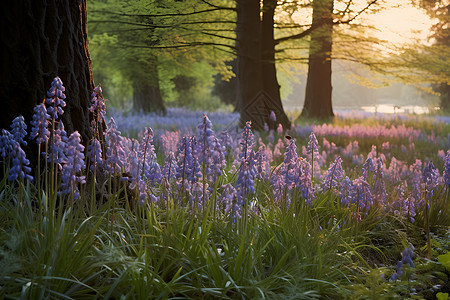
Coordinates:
(445, 260)
(442, 296)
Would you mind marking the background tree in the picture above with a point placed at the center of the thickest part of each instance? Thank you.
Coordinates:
(42, 39)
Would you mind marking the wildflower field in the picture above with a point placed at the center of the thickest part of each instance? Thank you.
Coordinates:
(191, 206)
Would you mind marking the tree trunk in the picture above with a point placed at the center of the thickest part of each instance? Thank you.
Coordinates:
(269, 72)
(318, 86)
(147, 98)
(146, 92)
(42, 39)
(249, 79)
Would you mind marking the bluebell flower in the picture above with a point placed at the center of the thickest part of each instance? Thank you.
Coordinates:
(216, 161)
(367, 166)
(73, 165)
(19, 168)
(169, 169)
(55, 98)
(379, 187)
(289, 165)
(446, 174)
(313, 146)
(115, 154)
(407, 256)
(19, 130)
(346, 191)
(303, 180)
(40, 122)
(334, 175)
(430, 177)
(245, 182)
(362, 195)
(204, 140)
(226, 141)
(230, 201)
(94, 153)
(6, 143)
(57, 149)
(262, 164)
(247, 141)
(97, 110)
(272, 116)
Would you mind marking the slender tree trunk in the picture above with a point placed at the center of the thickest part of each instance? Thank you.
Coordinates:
(42, 39)
(146, 92)
(248, 45)
(318, 86)
(269, 72)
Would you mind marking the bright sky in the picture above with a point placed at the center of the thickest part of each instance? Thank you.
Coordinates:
(400, 24)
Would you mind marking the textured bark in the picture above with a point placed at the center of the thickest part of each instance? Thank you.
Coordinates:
(258, 91)
(249, 79)
(42, 39)
(269, 72)
(318, 86)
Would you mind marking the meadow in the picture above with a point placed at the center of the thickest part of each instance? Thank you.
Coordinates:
(190, 206)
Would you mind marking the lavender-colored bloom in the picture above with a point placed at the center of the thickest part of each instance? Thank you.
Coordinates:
(288, 170)
(313, 146)
(362, 195)
(430, 177)
(346, 191)
(94, 153)
(216, 161)
(20, 164)
(188, 167)
(407, 256)
(379, 187)
(97, 109)
(196, 196)
(169, 169)
(261, 163)
(205, 139)
(272, 116)
(18, 130)
(229, 199)
(303, 180)
(245, 183)
(115, 154)
(247, 141)
(367, 166)
(57, 151)
(6, 143)
(446, 174)
(55, 98)
(73, 165)
(226, 141)
(334, 175)
(40, 123)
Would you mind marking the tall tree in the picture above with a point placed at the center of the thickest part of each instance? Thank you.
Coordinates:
(258, 91)
(318, 86)
(42, 39)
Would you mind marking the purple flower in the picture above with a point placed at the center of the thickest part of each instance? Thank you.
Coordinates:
(303, 180)
(430, 178)
(57, 153)
(94, 153)
(115, 154)
(272, 116)
(446, 174)
(20, 164)
(407, 256)
(74, 164)
(379, 188)
(245, 183)
(169, 169)
(6, 143)
(247, 141)
(205, 139)
(229, 199)
(40, 123)
(18, 130)
(97, 109)
(367, 166)
(334, 175)
(55, 100)
(346, 191)
(226, 141)
(261, 163)
(362, 195)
